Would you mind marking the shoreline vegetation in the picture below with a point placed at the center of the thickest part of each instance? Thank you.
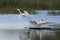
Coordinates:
(10, 6)
(14, 11)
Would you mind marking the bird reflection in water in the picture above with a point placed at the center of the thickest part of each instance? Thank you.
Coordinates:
(41, 34)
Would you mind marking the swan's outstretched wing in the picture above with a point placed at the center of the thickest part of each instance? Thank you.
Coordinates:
(45, 23)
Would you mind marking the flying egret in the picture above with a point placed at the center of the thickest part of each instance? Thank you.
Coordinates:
(25, 14)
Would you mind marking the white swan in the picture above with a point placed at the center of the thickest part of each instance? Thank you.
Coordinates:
(37, 24)
(25, 14)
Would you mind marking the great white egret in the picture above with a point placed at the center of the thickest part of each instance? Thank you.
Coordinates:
(25, 14)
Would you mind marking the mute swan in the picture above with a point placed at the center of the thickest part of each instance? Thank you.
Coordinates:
(25, 14)
(37, 24)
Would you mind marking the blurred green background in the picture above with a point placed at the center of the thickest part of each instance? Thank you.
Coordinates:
(12, 5)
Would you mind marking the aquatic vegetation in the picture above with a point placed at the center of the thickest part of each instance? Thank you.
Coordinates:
(30, 4)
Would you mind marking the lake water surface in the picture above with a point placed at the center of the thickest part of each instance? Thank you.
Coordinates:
(11, 26)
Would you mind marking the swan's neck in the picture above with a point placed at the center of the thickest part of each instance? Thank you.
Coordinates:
(19, 11)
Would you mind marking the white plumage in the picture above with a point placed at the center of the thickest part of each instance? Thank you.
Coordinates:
(25, 14)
